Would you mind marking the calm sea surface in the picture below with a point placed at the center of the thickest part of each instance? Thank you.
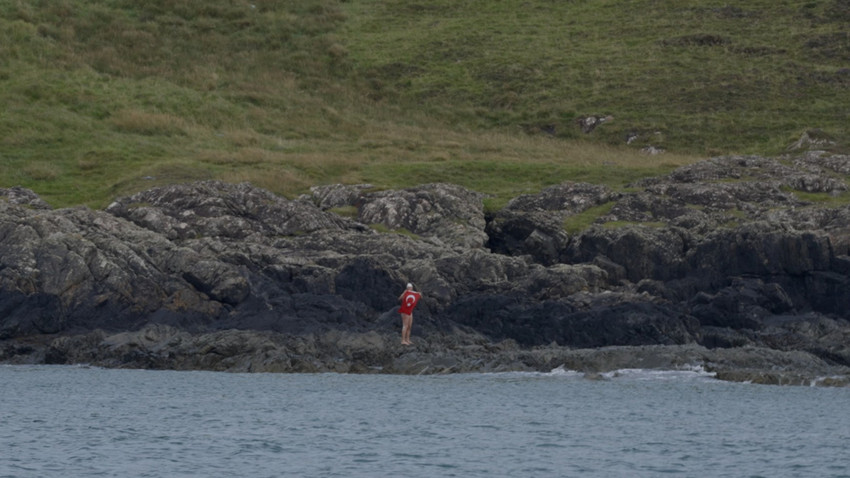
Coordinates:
(77, 421)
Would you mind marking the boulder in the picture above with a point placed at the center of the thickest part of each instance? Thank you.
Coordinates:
(449, 213)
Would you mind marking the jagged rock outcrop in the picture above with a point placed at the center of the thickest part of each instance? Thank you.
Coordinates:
(226, 211)
(726, 253)
(446, 213)
(23, 197)
(534, 224)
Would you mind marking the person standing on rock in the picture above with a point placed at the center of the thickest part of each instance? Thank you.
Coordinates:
(409, 298)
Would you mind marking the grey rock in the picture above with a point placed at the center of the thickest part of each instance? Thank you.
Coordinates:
(567, 198)
(338, 195)
(728, 264)
(217, 209)
(450, 213)
(22, 197)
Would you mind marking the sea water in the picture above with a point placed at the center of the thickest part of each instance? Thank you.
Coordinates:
(78, 421)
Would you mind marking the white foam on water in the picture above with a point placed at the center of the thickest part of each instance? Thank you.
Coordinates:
(690, 372)
(820, 381)
(682, 373)
(695, 372)
(562, 371)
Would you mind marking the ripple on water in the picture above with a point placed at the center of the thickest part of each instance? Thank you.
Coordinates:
(66, 421)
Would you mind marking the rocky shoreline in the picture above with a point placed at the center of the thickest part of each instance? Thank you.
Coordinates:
(164, 347)
(737, 265)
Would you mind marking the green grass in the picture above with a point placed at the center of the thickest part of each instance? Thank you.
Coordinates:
(707, 76)
(105, 98)
(824, 199)
(581, 221)
(345, 211)
(622, 224)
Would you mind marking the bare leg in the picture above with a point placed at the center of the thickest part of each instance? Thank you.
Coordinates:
(406, 325)
(403, 328)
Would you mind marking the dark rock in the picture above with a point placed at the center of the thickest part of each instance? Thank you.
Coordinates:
(541, 236)
(762, 249)
(744, 304)
(534, 224)
(722, 264)
(643, 252)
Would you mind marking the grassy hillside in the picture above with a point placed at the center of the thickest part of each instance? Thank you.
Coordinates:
(707, 76)
(104, 98)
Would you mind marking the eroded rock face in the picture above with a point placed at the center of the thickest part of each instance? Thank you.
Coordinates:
(643, 252)
(534, 224)
(723, 253)
(450, 213)
(443, 213)
(77, 269)
(216, 209)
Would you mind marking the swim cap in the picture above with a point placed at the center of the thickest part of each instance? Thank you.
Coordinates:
(409, 285)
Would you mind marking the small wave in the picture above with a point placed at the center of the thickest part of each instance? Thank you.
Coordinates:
(697, 372)
(689, 372)
(562, 371)
(831, 381)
